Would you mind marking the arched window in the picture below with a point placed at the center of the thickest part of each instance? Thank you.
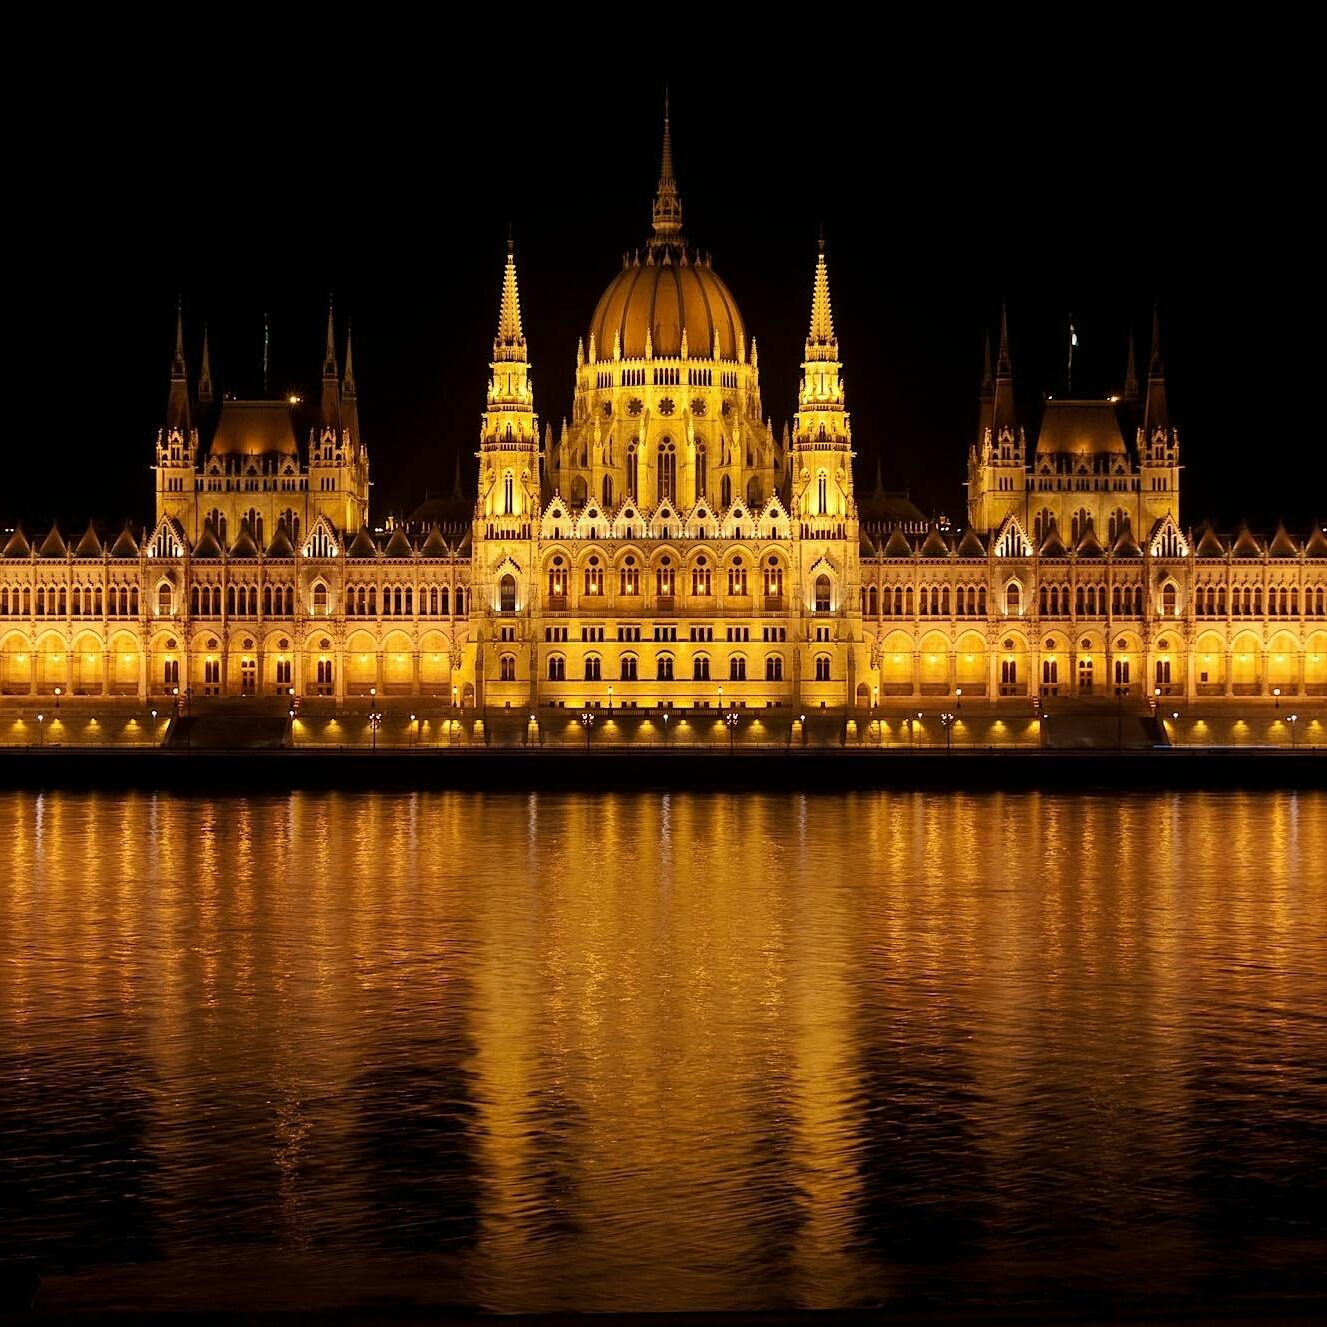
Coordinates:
(319, 600)
(1168, 600)
(507, 594)
(774, 668)
(608, 490)
(628, 667)
(822, 668)
(737, 577)
(665, 667)
(1013, 599)
(507, 668)
(726, 491)
(593, 668)
(737, 668)
(822, 493)
(665, 577)
(981, 602)
(508, 493)
(1138, 600)
(700, 576)
(700, 669)
(165, 600)
(1041, 527)
(773, 577)
(667, 470)
(460, 601)
(594, 576)
(629, 577)
(822, 594)
(557, 578)
(633, 470)
(872, 602)
(557, 668)
(1082, 518)
(755, 494)
(700, 470)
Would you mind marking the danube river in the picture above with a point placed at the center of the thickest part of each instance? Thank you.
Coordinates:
(941, 1052)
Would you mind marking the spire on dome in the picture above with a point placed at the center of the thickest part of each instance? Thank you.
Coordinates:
(821, 336)
(667, 201)
(509, 344)
(205, 375)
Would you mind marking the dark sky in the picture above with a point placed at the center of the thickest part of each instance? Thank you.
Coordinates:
(1093, 195)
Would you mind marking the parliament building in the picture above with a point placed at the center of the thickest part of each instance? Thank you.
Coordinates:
(667, 550)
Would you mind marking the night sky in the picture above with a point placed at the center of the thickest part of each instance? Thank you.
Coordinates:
(937, 203)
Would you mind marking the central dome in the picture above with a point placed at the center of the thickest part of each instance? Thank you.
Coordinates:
(663, 295)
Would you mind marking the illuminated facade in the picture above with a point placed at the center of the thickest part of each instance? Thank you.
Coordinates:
(667, 549)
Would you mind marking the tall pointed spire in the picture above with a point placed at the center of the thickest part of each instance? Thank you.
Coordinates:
(1130, 389)
(456, 477)
(329, 356)
(1003, 414)
(205, 374)
(987, 377)
(1004, 366)
(509, 344)
(821, 342)
(177, 405)
(1156, 413)
(348, 379)
(667, 201)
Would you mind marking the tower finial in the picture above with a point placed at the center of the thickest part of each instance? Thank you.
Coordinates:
(1003, 366)
(509, 344)
(1130, 389)
(329, 356)
(348, 381)
(205, 374)
(1155, 368)
(667, 201)
(822, 316)
(177, 369)
(987, 377)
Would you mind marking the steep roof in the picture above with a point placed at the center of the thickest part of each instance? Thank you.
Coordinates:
(1080, 428)
(125, 546)
(244, 546)
(398, 546)
(208, 545)
(934, 546)
(255, 428)
(18, 546)
(53, 546)
(971, 546)
(363, 545)
(434, 546)
(1209, 544)
(89, 546)
(1246, 545)
(1053, 546)
(281, 547)
(1283, 546)
(1316, 547)
(897, 545)
(1125, 545)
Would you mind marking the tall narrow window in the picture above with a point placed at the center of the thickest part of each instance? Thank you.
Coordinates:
(822, 493)
(508, 493)
(822, 594)
(507, 594)
(667, 470)
(700, 470)
(633, 470)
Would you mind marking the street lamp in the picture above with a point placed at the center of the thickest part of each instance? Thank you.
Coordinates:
(1294, 719)
(958, 694)
(731, 720)
(587, 722)
(721, 698)
(1276, 693)
(453, 697)
(413, 732)
(41, 730)
(947, 721)
(154, 727)
(57, 697)
(610, 698)
(1175, 719)
(375, 722)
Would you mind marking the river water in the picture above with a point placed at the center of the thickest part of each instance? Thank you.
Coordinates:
(939, 1052)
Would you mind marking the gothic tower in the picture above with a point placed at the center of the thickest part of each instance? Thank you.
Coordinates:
(997, 461)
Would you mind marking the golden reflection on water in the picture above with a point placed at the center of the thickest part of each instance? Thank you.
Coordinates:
(658, 1050)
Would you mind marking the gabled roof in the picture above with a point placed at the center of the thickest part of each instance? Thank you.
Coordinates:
(398, 546)
(208, 545)
(281, 547)
(970, 546)
(1316, 547)
(363, 546)
(934, 546)
(125, 546)
(897, 545)
(244, 546)
(1245, 545)
(18, 546)
(52, 546)
(1283, 546)
(1125, 546)
(1053, 546)
(865, 546)
(1089, 546)
(89, 546)
(435, 546)
(1210, 545)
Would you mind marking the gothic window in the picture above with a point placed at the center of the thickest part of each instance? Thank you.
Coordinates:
(822, 668)
(633, 469)
(726, 491)
(773, 577)
(700, 576)
(508, 493)
(594, 576)
(592, 668)
(507, 594)
(578, 491)
(1168, 600)
(667, 470)
(629, 579)
(872, 602)
(700, 470)
(774, 668)
(1042, 525)
(822, 493)
(1081, 521)
(700, 669)
(628, 667)
(460, 601)
(608, 490)
(754, 492)
(822, 599)
(665, 667)
(320, 600)
(737, 668)
(737, 577)
(557, 668)
(664, 578)
(165, 600)
(1013, 599)
(557, 578)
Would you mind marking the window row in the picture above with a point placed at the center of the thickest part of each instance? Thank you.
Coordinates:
(72, 601)
(1247, 601)
(399, 601)
(664, 668)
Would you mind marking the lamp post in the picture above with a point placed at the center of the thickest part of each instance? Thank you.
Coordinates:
(1046, 731)
(587, 722)
(453, 697)
(154, 727)
(375, 722)
(731, 720)
(665, 727)
(1294, 719)
(721, 698)
(958, 698)
(57, 697)
(804, 736)
(1276, 695)
(1175, 719)
(947, 720)
(41, 730)
(413, 732)
(610, 698)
